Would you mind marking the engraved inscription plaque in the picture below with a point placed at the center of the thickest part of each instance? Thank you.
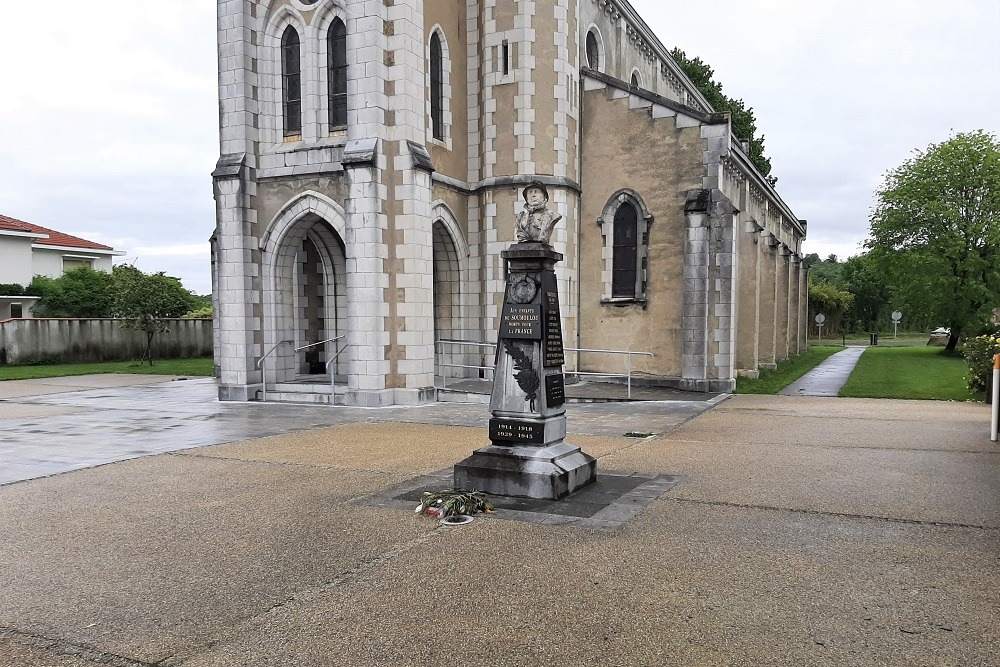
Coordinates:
(553, 331)
(516, 432)
(521, 321)
(555, 390)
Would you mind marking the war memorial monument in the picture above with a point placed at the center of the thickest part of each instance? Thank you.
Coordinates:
(527, 455)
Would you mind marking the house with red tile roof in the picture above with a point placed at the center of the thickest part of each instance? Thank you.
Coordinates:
(27, 250)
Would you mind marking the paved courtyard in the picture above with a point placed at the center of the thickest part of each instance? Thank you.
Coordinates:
(173, 530)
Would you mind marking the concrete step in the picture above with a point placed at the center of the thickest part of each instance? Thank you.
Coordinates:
(314, 393)
(460, 396)
(304, 387)
(310, 398)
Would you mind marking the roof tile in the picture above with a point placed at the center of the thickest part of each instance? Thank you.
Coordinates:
(55, 238)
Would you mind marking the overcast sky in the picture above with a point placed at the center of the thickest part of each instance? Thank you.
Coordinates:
(108, 112)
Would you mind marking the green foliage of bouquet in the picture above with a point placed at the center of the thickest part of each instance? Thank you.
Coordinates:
(451, 502)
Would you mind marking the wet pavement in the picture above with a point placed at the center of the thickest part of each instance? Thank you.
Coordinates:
(56, 425)
(784, 531)
(591, 390)
(829, 377)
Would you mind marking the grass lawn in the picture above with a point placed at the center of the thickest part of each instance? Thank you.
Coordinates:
(787, 372)
(199, 366)
(909, 372)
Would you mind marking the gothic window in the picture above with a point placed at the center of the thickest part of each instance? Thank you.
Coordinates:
(636, 83)
(437, 87)
(625, 227)
(624, 256)
(593, 51)
(291, 82)
(336, 73)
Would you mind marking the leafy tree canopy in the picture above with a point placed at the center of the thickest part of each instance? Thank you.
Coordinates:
(144, 301)
(830, 300)
(82, 292)
(825, 270)
(872, 294)
(935, 230)
(743, 121)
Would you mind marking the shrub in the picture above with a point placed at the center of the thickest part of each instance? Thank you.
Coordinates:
(979, 353)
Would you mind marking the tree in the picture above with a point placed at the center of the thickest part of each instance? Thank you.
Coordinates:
(935, 228)
(826, 270)
(743, 122)
(832, 302)
(865, 280)
(144, 301)
(82, 292)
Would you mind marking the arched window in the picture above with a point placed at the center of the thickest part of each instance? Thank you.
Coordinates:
(437, 88)
(625, 225)
(625, 255)
(636, 83)
(593, 52)
(291, 82)
(336, 73)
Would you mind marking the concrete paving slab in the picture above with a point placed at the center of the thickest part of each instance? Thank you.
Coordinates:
(682, 585)
(150, 557)
(881, 424)
(17, 650)
(20, 411)
(103, 425)
(70, 383)
(943, 470)
(403, 448)
(263, 553)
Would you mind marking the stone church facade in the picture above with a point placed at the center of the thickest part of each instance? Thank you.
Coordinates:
(373, 158)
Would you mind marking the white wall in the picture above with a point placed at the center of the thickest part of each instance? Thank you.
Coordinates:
(15, 260)
(49, 263)
(99, 340)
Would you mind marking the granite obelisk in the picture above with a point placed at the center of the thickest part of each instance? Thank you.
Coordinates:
(527, 455)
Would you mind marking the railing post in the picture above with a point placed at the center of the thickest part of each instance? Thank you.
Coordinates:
(996, 398)
(628, 357)
(444, 374)
(263, 377)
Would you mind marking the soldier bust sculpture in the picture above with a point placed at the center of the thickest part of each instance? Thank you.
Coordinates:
(535, 222)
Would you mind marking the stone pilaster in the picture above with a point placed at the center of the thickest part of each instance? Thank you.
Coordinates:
(766, 348)
(748, 299)
(708, 353)
(781, 301)
(236, 254)
(367, 282)
(694, 318)
(795, 296)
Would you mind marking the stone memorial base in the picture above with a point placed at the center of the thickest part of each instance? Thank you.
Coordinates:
(550, 473)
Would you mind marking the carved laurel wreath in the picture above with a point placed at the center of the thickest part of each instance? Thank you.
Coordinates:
(525, 375)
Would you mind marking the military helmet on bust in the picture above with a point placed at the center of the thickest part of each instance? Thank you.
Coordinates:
(535, 184)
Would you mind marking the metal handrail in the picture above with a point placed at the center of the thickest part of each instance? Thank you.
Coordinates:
(263, 366)
(468, 343)
(628, 361)
(333, 383)
(328, 340)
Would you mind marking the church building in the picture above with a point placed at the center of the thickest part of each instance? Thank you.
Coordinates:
(373, 159)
